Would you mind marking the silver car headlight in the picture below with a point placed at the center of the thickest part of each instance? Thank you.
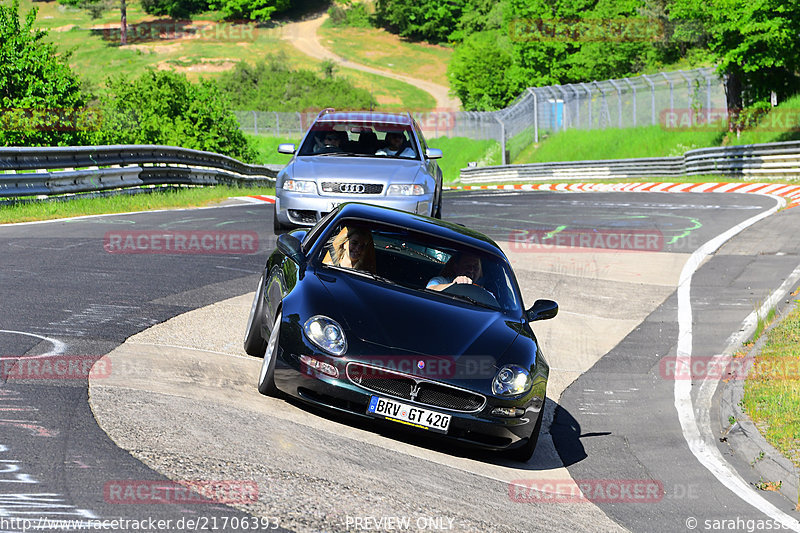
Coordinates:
(400, 189)
(300, 186)
(326, 333)
(512, 380)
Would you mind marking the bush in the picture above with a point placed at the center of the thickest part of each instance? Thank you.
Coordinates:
(174, 8)
(478, 72)
(41, 98)
(354, 15)
(163, 107)
(249, 9)
(271, 86)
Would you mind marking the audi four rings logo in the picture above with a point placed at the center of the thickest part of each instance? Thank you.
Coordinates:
(356, 188)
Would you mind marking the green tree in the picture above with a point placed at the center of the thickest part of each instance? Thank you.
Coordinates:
(755, 44)
(478, 71)
(40, 97)
(430, 20)
(163, 107)
(174, 8)
(249, 9)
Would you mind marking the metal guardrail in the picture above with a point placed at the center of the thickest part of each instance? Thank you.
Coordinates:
(77, 169)
(751, 161)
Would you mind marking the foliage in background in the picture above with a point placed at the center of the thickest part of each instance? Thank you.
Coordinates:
(98, 7)
(766, 124)
(178, 9)
(428, 20)
(478, 71)
(260, 10)
(163, 107)
(350, 13)
(37, 87)
(272, 86)
(754, 44)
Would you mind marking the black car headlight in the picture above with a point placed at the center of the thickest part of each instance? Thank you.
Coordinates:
(512, 380)
(326, 333)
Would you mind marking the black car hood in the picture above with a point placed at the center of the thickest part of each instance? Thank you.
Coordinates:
(398, 320)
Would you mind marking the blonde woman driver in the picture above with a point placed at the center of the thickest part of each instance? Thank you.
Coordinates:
(353, 247)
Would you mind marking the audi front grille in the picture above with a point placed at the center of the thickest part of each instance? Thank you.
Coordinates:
(336, 187)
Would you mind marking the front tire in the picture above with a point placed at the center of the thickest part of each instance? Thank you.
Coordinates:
(266, 378)
(277, 226)
(254, 343)
(438, 211)
(524, 453)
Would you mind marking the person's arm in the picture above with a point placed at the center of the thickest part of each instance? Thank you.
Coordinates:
(440, 283)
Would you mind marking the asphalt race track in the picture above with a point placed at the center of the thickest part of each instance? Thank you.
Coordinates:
(176, 399)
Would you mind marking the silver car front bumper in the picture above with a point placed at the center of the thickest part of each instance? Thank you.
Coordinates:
(302, 209)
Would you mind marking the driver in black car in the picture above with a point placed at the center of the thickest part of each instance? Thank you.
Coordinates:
(461, 268)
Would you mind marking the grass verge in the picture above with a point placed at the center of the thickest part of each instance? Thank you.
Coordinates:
(772, 388)
(617, 143)
(123, 203)
(459, 151)
(266, 147)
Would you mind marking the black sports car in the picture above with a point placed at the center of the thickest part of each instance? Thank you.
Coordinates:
(422, 326)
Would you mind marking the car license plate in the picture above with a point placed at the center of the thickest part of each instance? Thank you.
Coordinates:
(408, 414)
(333, 205)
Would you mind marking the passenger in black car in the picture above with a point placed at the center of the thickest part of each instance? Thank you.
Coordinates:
(352, 247)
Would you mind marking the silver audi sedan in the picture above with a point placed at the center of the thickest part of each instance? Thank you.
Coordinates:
(374, 158)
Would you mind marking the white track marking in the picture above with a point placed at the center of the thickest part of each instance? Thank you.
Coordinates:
(58, 346)
(702, 445)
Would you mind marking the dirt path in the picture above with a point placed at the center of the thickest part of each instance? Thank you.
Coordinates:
(303, 35)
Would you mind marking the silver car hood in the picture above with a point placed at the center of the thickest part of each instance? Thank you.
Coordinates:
(368, 169)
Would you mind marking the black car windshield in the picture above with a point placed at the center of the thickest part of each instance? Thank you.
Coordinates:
(422, 262)
(360, 139)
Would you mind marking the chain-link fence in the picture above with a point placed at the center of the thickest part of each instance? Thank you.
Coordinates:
(666, 98)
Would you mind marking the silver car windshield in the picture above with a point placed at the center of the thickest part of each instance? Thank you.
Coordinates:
(422, 262)
(360, 139)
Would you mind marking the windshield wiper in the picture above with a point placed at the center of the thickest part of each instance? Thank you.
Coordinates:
(467, 299)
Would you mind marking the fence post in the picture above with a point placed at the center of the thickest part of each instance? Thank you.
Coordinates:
(652, 98)
(535, 115)
(633, 88)
(671, 95)
(502, 139)
(589, 91)
(277, 124)
(255, 123)
(619, 101)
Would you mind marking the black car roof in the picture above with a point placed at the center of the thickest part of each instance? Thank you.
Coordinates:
(420, 223)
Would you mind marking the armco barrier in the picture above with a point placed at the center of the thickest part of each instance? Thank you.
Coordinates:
(751, 161)
(75, 169)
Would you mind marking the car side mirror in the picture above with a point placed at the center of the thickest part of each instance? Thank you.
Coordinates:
(542, 310)
(286, 148)
(289, 245)
(433, 153)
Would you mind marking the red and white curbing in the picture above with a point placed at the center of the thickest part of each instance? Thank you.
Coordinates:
(256, 199)
(790, 192)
